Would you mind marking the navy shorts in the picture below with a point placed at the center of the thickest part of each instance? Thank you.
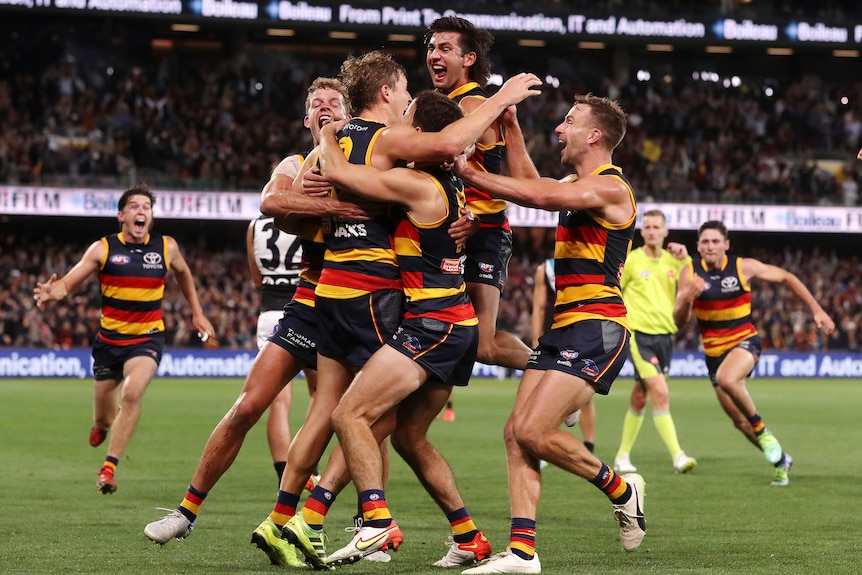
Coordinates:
(488, 254)
(354, 329)
(108, 360)
(753, 345)
(447, 351)
(593, 350)
(297, 333)
(651, 354)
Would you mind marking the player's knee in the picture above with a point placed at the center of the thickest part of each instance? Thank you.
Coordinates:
(406, 444)
(131, 397)
(726, 384)
(660, 398)
(340, 419)
(530, 440)
(509, 432)
(245, 413)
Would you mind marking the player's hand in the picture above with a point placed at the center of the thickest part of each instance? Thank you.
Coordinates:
(695, 287)
(859, 155)
(677, 250)
(824, 322)
(206, 331)
(329, 129)
(354, 211)
(314, 184)
(509, 117)
(518, 88)
(42, 291)
(464, 227)
(462, 170)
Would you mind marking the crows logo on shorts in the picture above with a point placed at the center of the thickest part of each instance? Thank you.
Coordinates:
(409, 342)
(590, 367)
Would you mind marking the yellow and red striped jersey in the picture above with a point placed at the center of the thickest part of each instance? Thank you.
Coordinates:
(432, 264)
(589, 256)
(132, 278)
(723, 309)
(487, 158)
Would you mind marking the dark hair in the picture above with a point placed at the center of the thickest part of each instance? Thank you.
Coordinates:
(323, 83)
(608, 116)
(138, 190)
(433, 111)
(472, 39)
(713, 225)
(363, 77)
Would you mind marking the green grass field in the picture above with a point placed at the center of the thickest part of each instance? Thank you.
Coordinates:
(722, 518)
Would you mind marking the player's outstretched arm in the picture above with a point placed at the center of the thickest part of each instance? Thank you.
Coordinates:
(753, 268)
(403, 142)
(57, 289)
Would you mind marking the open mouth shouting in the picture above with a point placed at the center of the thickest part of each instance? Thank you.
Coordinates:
(140, 224)
(438, 75)
(324, 118)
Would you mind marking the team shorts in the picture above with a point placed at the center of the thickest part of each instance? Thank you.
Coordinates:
(267, 321)
(108, 360)
(651, 354)
(447, 351)
(297, 333)
(354, 329)
(753, 345)
(593, 350)
(488, 254)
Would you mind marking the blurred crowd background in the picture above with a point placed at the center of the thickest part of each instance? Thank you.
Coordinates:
(220, 267)
(98, 103)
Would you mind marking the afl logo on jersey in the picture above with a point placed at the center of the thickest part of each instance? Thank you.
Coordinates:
(120, 259)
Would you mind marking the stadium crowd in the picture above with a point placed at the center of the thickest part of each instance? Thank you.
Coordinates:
(87, 116)
(231, 301)
(203, 122)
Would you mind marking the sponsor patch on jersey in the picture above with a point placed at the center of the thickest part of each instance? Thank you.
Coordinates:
(450, 266)
(153, 261)
(120, 259)
(729, 284)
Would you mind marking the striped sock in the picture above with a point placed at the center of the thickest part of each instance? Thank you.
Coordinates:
(110, 465)
(317, 506)
(522, 537)
(375, 513)
(463, 528)
(757, 424)
(191, 505)
(285, 507)
(612, 485)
